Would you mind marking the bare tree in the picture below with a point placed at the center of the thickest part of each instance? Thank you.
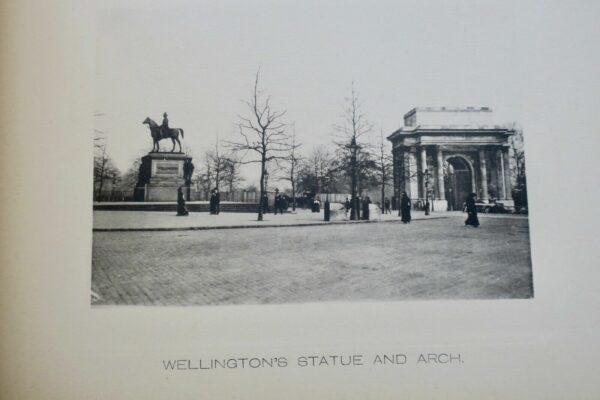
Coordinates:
(263, 135)
(104, 169)
(320, 165)
(204, 177)
(351, 129)
(231, 172)
(517, 161)
(214, 169)
(383, 167)
(130, 178)
(291, 167)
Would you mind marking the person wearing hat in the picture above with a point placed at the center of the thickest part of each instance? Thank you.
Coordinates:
(405, 208)
(278, 205)
(164, 128)
(472, 211)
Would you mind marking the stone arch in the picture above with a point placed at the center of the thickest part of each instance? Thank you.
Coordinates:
(460, 182)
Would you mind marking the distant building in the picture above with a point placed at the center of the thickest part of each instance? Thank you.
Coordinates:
(461, 150)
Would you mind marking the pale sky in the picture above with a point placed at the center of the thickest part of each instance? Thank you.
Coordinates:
(197, 60)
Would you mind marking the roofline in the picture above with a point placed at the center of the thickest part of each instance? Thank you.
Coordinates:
(418, 130)
(448, 108)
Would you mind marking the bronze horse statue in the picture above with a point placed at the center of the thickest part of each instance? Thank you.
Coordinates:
(156, 131)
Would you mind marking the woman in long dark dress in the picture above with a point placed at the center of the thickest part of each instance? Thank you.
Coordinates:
(365, 205)
(471, 211)
(405, 208)
(181, 209)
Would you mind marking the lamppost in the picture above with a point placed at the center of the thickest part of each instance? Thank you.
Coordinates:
(426, 176)
(326, 209)
(266, 180)
(265, 199)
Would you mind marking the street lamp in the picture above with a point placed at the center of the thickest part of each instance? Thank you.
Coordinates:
(326, 209)
(264, 201)
(266, 179)
(426, 176)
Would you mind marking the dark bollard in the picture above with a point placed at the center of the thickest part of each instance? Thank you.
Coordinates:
(326, 212)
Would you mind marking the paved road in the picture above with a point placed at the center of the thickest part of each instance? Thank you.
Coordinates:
(391, 261)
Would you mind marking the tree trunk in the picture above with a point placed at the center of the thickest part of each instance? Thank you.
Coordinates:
(353, 210)
(383, 194)
(262, 187)
(293, 196)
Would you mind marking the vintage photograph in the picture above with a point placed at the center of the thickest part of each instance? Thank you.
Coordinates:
(276, 153)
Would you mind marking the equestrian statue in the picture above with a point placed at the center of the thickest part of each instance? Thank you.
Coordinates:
(160, 132)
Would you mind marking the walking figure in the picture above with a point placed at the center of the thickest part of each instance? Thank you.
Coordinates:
(278, 202)
(347, 205)
(181, 209)
(405, 208)
(215, 201)
(471, 211)
(387, 206)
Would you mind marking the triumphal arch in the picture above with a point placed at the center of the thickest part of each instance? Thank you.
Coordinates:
(445, 153)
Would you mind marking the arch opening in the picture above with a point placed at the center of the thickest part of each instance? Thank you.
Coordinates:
(458, 181)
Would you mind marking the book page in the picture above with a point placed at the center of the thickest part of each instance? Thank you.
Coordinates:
(418, 225)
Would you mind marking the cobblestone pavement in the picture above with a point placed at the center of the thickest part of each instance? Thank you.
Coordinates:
(433, 259)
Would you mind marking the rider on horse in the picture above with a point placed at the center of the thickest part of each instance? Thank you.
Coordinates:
(164, 128)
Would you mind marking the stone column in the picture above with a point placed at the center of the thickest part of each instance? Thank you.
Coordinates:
(440, 175)
(411, 185)
(500, 174)
(507, 182)
(397, 159)
(483, 172)
(423, 169)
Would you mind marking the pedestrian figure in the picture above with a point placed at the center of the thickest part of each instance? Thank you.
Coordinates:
(387, 206)
(471, 211)
(181, 210)
(316, 206)
(365, 205)
(278, 205)
(405, 208)
(356, 205)
(213, 201)
(347, 205)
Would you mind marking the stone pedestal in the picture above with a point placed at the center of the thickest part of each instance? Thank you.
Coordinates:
(161, 174)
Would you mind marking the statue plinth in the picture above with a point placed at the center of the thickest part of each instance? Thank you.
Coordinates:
(160, 175)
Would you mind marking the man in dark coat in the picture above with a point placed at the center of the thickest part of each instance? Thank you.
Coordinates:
(181, 209)
(217, 201)
(386, 206)
(472, 211)
(213, 201)
(405, 208)
(278, 205)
